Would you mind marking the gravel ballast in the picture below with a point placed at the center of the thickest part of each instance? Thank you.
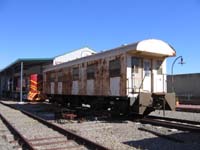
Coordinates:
(5, 138)
(127, 135)
(31, 129)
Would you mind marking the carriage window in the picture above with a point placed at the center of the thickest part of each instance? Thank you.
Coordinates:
(52, 77)
(91, 71)
(159, 67)
(114, 68)
(135, 62)
(147, 68)
(60, 76)
(75, 73)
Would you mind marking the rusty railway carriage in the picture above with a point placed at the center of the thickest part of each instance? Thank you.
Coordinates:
(127, 79)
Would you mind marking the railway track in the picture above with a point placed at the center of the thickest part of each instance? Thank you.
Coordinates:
(175, 120)
(185, 125)
(33, 133)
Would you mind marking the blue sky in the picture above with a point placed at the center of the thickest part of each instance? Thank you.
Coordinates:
(47, 28)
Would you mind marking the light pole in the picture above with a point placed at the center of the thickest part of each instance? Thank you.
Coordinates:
(172, 78)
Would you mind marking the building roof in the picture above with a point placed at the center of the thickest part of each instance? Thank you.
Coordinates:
(27, 62)
(76, 54)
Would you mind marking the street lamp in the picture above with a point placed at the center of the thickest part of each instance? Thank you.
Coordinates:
(172, 78)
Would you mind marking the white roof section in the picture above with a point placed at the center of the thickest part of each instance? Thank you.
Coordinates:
(156, 47)
(83, 52)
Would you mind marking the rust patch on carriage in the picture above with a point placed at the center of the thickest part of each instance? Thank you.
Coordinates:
(123, 75)
(101, 77)
(67, 81)
(83, 79)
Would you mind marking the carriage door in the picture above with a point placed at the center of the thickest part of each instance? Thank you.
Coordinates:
(136, 73)
(60, 79)
(90, 79)
(52, 83)
(114, 72)
(159, 79)
(75, 78)
(147, 75)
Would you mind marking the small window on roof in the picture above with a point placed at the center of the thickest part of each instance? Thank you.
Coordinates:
(75, 73)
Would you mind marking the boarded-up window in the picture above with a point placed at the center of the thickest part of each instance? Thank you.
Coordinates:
(159, 67)
(75, 73)
(60, 76)
(114, 68)
(135, 63)
(52, 77)
(91, 71)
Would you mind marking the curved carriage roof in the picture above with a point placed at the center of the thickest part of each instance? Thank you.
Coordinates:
(154, 46)
(149, 47)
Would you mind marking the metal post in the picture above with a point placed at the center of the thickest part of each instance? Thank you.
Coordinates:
(21, 82)
(164, 103)
(172, 77)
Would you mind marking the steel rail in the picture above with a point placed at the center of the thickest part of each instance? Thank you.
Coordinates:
(170, 125)
(174, 119)
(70, 135)
(194, 110)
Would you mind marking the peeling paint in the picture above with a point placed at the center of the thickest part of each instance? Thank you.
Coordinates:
(101, 82)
